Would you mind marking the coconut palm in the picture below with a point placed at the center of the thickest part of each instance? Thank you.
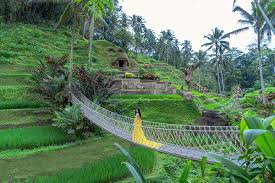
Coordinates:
(75, 10)
(138, 26)
(268, 10)
(187, 52)
(256, 21)
(167, 37)
(200, 57)
(95, 9)
(216, 41)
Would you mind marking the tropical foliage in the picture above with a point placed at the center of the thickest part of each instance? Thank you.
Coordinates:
(258, 159)
(51, 82)
(71, 120)
(94, 85)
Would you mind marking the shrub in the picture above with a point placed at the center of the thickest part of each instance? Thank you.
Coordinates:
(94, 85)
(129, 75)
(258, 158)
(51, 81)
(150, 76)
(71, 121)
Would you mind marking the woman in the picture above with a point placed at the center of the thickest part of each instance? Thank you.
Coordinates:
(138, 134)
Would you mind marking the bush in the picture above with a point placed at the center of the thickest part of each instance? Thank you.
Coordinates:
(71, 121)
(51, 81)
(129, 75)
(150, 76)
(94, 85)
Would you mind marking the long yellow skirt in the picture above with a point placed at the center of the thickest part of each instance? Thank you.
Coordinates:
(139, 137)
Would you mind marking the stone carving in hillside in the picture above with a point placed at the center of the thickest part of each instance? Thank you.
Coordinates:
(121, 59)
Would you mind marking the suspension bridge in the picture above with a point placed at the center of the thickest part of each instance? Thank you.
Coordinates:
(191, 142)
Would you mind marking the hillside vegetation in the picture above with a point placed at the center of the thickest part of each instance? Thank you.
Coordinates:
(23, 47)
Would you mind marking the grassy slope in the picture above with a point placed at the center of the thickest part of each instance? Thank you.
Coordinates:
(17, 117)
(47, 163)
(24, 46)
(158, 108)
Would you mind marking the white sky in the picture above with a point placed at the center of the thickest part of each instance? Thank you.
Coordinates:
(192, 19)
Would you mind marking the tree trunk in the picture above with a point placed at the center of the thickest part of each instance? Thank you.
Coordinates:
(222, 81)
(167, 54)
(218, 78)
(199, 79)
(84, 28)
(218, 70)
(91, 36)
(72, 54)
(261, 69)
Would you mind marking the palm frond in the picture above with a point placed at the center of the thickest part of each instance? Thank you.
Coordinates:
(246, 22)
(238, 31)
(209, 48)
(243, 12)
(207, 44)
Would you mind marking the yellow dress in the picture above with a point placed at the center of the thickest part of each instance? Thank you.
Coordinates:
(139, 137)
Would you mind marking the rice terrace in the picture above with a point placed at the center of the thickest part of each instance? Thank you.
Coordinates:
(122, 91)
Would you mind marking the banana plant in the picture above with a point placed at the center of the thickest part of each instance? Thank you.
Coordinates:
(260, 133)
(259, 157)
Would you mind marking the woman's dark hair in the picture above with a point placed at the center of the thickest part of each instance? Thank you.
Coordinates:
(138, 111)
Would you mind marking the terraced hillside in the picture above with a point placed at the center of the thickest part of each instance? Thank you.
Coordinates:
(30, 148)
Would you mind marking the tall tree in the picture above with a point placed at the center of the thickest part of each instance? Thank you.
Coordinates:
(256, 21)
(96, 9)
(200, 57)
(216, 41)
(187, 52)
(138, 26)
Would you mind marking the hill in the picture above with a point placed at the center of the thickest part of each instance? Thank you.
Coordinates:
(22, 48)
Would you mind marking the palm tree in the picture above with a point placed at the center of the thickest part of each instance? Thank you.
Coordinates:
(74, 10)
(187, 52)
(200, 57)
(256, 21)
(167, 37)
(138, 26)
(264, 13)
(216, 41)
(95, 9)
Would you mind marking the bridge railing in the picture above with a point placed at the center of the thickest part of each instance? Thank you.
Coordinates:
(220, 139)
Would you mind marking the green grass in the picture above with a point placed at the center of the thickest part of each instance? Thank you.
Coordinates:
(13, 92)
(108, 169)
(14, 79)
(20, 104)
(166, 72)
(250, 98)
(26, 138)
(23, 116)
(18, 153)
(163, 111)
(210, 101)
(51, 162)
(147, 96)
(29, 44)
